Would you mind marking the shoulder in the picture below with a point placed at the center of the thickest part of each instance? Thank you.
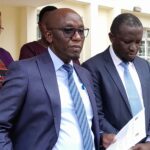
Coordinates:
(141, 61)
(28, 50)
(28, 63)
(3, 51)
(25, 63)
(5, 56)
(27, 70)
(29, 44)
(142, 65)
(42, 58)
(80, 68)
(82, 71)
(96, 61)
(98, 57)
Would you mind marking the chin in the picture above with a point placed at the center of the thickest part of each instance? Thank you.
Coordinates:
(75, 56)
(131, 59)
(127, 59)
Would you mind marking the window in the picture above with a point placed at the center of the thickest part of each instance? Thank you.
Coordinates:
(38, 36)
(144, 51)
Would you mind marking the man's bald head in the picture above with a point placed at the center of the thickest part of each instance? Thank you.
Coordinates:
(58, 15)
(65, 33)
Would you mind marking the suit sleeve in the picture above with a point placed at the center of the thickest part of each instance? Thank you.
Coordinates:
(148, 118)
(11, 100)
(103, 122)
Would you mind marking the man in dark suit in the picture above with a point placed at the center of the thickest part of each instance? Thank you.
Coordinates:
(111, 95)
(37, 111)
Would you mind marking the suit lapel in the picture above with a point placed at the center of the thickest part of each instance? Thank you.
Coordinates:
(138, 67)
(48, 75)
(110, 67)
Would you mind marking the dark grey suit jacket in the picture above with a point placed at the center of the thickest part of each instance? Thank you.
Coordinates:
(30, 109)
(113, 106)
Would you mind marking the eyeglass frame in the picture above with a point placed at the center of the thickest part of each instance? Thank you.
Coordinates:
(74, 30)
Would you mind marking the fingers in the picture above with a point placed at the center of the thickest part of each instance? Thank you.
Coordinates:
(108, 139)
(143, 146)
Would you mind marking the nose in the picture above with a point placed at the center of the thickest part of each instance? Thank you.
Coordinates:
(134, 46)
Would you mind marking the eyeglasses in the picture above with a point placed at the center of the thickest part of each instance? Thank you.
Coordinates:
(69, 32)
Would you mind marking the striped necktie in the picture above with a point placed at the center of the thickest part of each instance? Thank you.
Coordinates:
(79, 110)
(132, 93)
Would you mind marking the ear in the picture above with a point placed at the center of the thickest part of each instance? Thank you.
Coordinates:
(42, 27)
(111, 37)
(48, 36)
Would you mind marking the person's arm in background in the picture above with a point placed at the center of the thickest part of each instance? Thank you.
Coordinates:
(5, 60)
(5, 57)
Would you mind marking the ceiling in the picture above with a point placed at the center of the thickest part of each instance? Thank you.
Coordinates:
(34, 3)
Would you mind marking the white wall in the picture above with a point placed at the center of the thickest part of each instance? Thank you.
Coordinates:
(28, 24)
(20, 22)
(9, 37)
(19, 27)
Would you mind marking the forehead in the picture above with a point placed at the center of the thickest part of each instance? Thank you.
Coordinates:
(69, 19)
(125, 28)
(127, 31)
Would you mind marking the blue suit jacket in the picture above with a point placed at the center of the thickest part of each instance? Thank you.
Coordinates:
(113, 106)
(30, 109)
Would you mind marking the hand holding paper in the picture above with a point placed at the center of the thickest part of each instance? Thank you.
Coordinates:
(131, 133)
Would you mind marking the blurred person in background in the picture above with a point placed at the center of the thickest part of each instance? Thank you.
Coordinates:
(5, 59)
(34, 48)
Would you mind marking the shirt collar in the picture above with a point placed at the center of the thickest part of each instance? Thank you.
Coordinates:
(115, 58)
(58, 62)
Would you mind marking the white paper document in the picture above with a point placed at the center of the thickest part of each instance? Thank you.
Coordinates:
(131, 133)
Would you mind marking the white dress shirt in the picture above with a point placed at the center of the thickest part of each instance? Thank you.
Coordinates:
(70, 137)
(117, 61)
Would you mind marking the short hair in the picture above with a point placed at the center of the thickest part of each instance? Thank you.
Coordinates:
(45, 10)
(127, 19)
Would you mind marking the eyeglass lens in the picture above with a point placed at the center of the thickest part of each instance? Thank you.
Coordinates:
(69, 32)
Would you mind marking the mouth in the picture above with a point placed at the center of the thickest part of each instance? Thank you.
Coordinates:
(132, 54)
(76, 48)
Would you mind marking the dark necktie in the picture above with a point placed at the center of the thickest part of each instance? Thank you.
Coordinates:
(132, 93)
(79, 110)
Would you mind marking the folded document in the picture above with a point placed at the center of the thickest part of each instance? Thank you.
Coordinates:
(133, 132)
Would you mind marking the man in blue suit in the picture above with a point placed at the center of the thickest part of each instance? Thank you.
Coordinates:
(111, 95)
(36, 107)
